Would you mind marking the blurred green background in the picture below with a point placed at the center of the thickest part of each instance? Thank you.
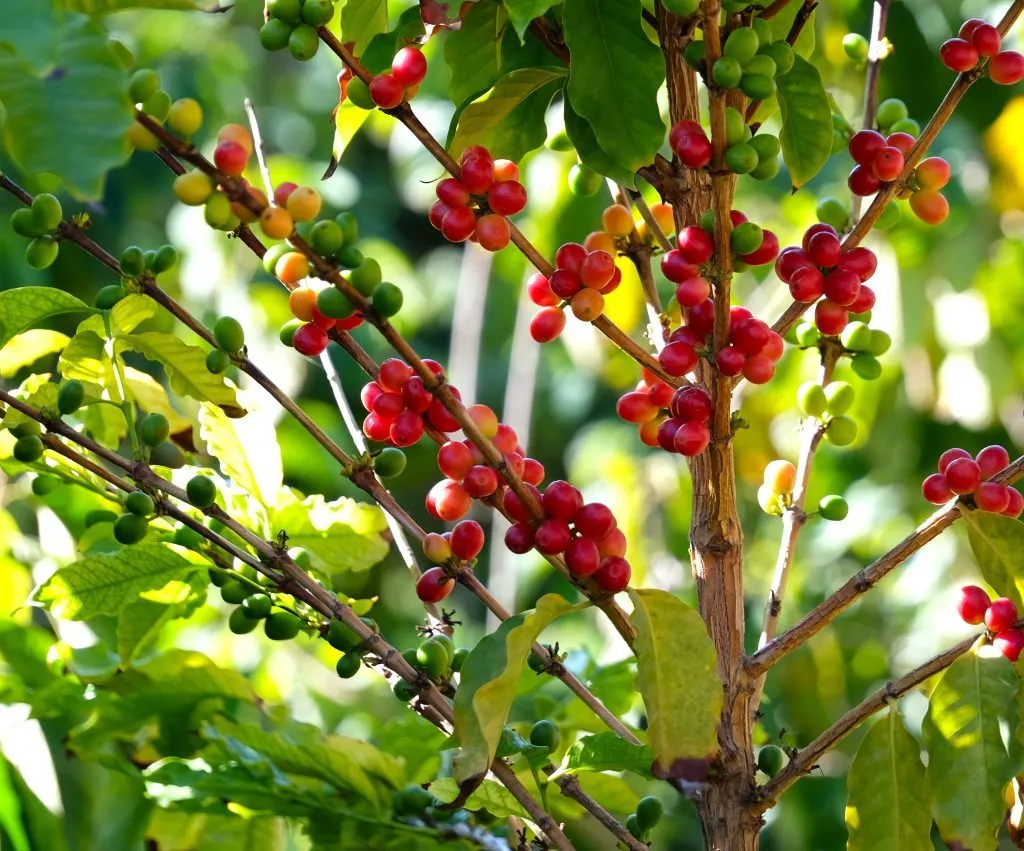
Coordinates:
(952, 297)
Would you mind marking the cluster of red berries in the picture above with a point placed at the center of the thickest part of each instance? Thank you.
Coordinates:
(475, 205)
(819, 267)
(695, 246)
(582, 278)
(408, 69)
(690, 143)
(960, 474)
(999, 617)
(753, 350)
(464, 542)
(585, 533)
(400, 405)
(675, 420)
(467, 475)
(976, 41)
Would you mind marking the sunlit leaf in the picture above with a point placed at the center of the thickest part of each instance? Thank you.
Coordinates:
(24, 307)
(171, 830)
(490, 796)
(361, 20)
(247, 450)
(28, 347)
(473, 52)
(607, 751)
(998, 546)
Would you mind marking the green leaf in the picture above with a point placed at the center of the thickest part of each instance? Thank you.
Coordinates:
(509, 119)
(150, 395)
(100, 7)
(361, 20)
(87, 90)
(783, 22)
(142, 621)
(968, 765)
(998, 546)
(34, 29)
(806, 134)
(591, 154)
(888, 807)
(247, 450)
(10, 810)
(340, 536)
(172, 830)
(348, 119)
(521, 12)
(28, 347)
(678, 679)
(185, 367)
(85, 359)
(24, 307)
(614, 78)
(488, 684)
(490, 796)
(107, 584)
(381, 50)
(607, 751)
(473, 52)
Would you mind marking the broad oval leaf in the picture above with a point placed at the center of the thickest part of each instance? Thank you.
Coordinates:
(522, 12)
(23, 307)
(28, 347)
(361, 20)
(678, 680)
(107, 584)
(488, 683)
(888, 808)
(782, 23)
(247, 451)
(591, 154)
(806, 134)
(998, 546)
(607, 751)
(179, 829)
(968, 764)
(473, 52)
(509, 119)
(614, 78)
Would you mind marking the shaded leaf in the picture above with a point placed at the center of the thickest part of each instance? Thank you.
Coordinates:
(888, 807)
(998, 546)
(677, 678)
(591, 154)
(247, 451)
(968, 765)
(783, 22)
(607, 751)
(488, 683)
(490, 796)
(521, 12)
(614, 78)
(171, 830)
(141, 622)
(473, 52)
(806, 134)
(28, 347)
(23, 307)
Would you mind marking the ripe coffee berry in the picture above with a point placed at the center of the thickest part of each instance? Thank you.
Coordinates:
(448, 501)
(547, 324)
(434, 585)
(507, 198)
(992, 497)
(561, 500)
(594, 520)
(935, 490)
(1010, 643)
(691, 439)
(386, 91)
(552, 536)
(963, 476)
(519, 538)
(958, 55)
(467, 539)
(582, 557)
(1001, 614)
(973, 604)
(613, 574)
(991, 460)
(409, 67)
(1006, 68)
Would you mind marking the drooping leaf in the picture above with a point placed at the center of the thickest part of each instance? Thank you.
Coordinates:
(509, 119)
(247, 450)
(185, 366)
(361, 20)
(107, 584)
(490, 796)
(968, 764)
(172, 830)
(806, 134)
(888, 807)
(521, 12)
(607, 751)
(86, 89)
(614, 78)
(677, 677)
(474, 52)
(589, 151)
(28, 347)
(488, 684)
(340, 536)
(348, 119)
(24, 307)
(998, 546)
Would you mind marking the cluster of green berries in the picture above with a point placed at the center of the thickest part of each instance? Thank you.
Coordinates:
(751, 60)
(39, 223)
(776, 493)
(649, 811)
(184, 116)
(829, 405)
(293, 24)
(134, 263)
(245, 588)
(230, 339)
(436, 658)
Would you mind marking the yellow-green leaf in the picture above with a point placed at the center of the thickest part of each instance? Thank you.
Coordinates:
(678, 680)
(361, 20)
(28, 347)
(247, 450)
(607, 751)
(488, 683)
(23, 307)
(150, 395)
(998, 546)
(888, 808)
(489, 795)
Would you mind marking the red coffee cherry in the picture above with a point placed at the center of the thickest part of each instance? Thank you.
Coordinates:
(594, 520)
(904, 142)
(695, 245)
(765, 253)
(612, 544)
(842, 287)
(951, 455)
(452, 193)
(458, 224)
(310, 340)
(377, 428)
(968, 27)
(547, 325)
(539, 290)
(730, 361)
(986, 40)
(407, 429)
(434, 585)
(693, 149)
(963, 476)
(515, 507)
(477, 170)
(613, 575)
(929, 206)
(1001, 614)
(676, 267)
(448, 501)
(973, 604)
(386, 91)
(831, 318)
(824, 249)
(958, 55)
(582, 557)
(888, 164)
(677, 359)
(409, 67)
(564, 283)
(507, 198)
(691, 439)
(519, 538)
(1006, 68)
(861, 261)
(467, 539)
(481, 481)
(865, 145)
(596, 269)
(1016, 504)
(552, 536)
(454, 459)
(635, 407)
(864, 302)
(1010, 643)
(992, 497)
(789, 260)
(533, 471)
(667, 433)
(862, 181)
(935, 490)
(493, 232)
(807, 285)
(230, 158)
(416, 396)
(561, 500)
(991, 460)
(691, 405)
(759, 369)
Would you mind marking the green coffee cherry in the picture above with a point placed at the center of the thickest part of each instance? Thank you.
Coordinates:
(130, 529)
(99, 515)
(25, 428)
(217, 361)
(349, 225)
(229, 334)
(41, 252)
(459, 659)
(333, 303)
(833, 507)
(770, 760)
(317, 13)
(432, 659)
(387, 299)
(157, 106)
(281, 626)
(856, 337)
(741, 159)
(535, 663)
(811, 399)
(286, 335)
(348, 665)
(256, 606)
(349, 257)
(404, 691)
(735, 126)
(219, 578)
(140, 504)
(890, 111)
(154, 429)
(741, 45)
(833, 212)
(782, 55)
(143, 84)
(757, 86)
(166, 454)
(761, 65)
(217, 211)
(766, 145)
(763, 29)
(165, 258)
(389, 463)
(695, 53)
(359, 93)
(866, 366)
(43, 485)
(906, 125)
(340, 637)
(201, 491)
(303, 42)
(544, 734)
(649, 812)
(326, 237)
(856, 47)
(110, 295)
(28, 448)
(766, 170)
(234, 592)
(633, 826)
(133, 261)
(46, 212)
(24, 224)
(583, 182)
(841, 431)
(70, 396)
(240, 623)
(879, 344)
(188, 538)
(745, 238)
(366, 276)
(840, 397)
(727, 73)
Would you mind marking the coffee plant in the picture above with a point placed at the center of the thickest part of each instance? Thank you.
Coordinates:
(149, 505)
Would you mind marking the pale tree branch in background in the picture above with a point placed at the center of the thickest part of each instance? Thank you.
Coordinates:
(877, 51)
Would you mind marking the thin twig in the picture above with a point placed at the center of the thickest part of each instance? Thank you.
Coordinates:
(877, 51)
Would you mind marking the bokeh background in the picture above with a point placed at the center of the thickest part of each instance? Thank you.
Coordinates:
(952, 297)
